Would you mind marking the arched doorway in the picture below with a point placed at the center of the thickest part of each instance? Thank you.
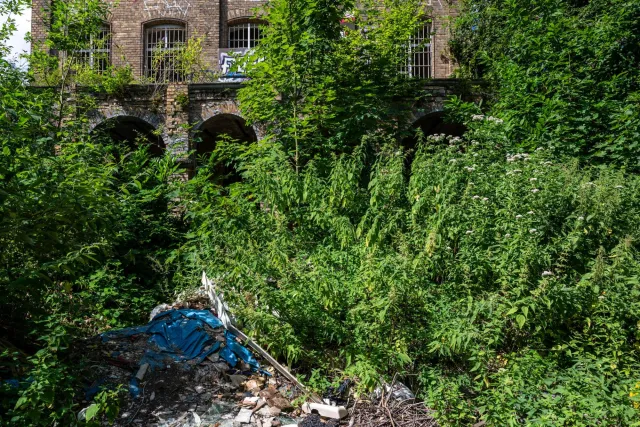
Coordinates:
(208, 135)
(131, 131)
(431, 124)
(435, 124)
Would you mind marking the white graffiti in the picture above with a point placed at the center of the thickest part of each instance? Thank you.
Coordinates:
(173, 7)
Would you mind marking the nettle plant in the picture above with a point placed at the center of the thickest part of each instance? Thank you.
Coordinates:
(508, 281)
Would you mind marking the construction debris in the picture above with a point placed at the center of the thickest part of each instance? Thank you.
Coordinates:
(184, 369)
(327, 411)
(191, 366)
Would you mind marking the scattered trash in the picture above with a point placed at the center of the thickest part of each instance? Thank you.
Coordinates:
(398, 391)
(191, 366)
(142, 371)
(327, 411)
(184, 368)
(338, 395)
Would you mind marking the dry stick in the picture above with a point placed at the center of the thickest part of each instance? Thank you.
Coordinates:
(390, 416)
(273, 362)
(393, 382)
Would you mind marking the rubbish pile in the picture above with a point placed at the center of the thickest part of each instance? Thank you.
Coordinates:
(190, 366)
(183, 368)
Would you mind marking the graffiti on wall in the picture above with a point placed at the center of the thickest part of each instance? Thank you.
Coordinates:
(164, 7)
(226, 61)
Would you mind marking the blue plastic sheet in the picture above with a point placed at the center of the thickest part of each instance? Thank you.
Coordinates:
(179, 336)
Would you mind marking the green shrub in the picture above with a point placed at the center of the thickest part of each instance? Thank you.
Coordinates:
(508, 281)
(565, 74)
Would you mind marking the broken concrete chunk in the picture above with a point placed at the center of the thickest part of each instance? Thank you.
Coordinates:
(142, 371)
(252, 385)
(250, 401)
(243, 417)
(335, 412)
(237, 380)
(274, 411)
(279, 402)
(268, 393)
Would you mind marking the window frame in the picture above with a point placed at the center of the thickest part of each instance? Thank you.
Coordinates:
(160, 30)
(249, 24)
(417, 46)
(88, 56)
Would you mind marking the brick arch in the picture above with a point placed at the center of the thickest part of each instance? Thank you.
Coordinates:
(211, 114)
(103, 115)
(238, 16)
(429, 110)
(431, 122)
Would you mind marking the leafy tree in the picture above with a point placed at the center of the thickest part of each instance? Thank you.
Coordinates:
(500, 282)
(566, 74)
(84, 229)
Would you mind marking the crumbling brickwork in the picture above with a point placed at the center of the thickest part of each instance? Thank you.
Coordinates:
(210, 19)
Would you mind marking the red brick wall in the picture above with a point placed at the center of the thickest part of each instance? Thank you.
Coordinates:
(442, 12)
(209, 18)
(39, 21)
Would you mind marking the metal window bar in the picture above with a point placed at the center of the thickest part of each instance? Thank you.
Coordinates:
(161, 47)
(244, 36)
(96, 56)
(419, 54)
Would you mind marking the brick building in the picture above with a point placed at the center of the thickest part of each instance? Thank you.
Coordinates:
(136, 27)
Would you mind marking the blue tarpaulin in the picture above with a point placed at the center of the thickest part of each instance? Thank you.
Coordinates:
(179, 336)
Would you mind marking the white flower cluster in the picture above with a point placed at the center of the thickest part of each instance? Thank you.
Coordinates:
(514, 157)
(469, 168)
(437, 137)
(547, 273)
(480, 117)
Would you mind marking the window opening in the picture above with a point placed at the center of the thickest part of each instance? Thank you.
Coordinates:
(96, 55)
(419, 54)
(244, 36)
(162, 47)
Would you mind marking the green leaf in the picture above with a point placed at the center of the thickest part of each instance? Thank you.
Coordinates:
(21, 402)
(520, 319)
(92, 411)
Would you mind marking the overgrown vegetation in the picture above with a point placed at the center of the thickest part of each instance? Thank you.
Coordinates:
(566, 73)
(85, 230)
(497, 273)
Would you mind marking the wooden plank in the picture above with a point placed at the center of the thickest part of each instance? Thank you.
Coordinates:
(273, 362)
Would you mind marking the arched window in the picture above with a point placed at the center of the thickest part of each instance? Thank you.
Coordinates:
(419, 53)
(162, 45)
(244, 36)
(97, 54)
